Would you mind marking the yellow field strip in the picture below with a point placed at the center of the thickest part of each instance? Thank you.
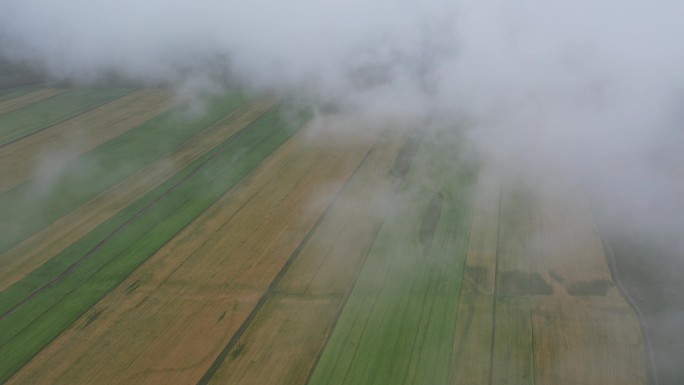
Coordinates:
(329, 262)
(269, 351)
(30, 98)
(593, 340)
(23, 258)
(183, 304)
(42, 153)
(282, 345)
(513, 354)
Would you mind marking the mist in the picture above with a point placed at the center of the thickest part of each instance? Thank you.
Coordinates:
(593, 89)
(550, 80)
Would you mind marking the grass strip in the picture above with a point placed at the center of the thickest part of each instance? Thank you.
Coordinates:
(69, 284)
(35, 117)
(32, 206)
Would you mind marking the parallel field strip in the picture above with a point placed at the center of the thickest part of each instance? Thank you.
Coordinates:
(512, 340)
(29, 98)
(555, 318)
(64, 261)
(15, 92)
(37, 249)
(281, 341)
(397, 326)
(21, 123)
(37, 203)
(586, 323)
(471, 355)
(532, 294)
(186, 302)
(44, 153)
(129, 238)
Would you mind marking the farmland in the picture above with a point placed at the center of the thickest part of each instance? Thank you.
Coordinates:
(148, 238)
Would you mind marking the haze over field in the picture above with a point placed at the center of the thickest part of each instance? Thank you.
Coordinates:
(591, 88)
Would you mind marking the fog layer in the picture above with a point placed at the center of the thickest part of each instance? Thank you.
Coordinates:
(593, 88)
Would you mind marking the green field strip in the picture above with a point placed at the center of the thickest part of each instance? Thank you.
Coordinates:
(32, 206)
(25, 121)
(15, 92)
(397, 326)
(95, 265)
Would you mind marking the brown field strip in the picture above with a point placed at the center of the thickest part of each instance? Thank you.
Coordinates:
(30, 98)
(168, 320)
(23, 258)
(593, 340)
(317, 281)
(586, 333)
(471, 356)
(513, 347)
(43, 152)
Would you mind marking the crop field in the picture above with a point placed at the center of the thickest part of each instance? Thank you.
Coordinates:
(151, 239)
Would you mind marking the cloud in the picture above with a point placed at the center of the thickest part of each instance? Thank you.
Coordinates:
(590, 88)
